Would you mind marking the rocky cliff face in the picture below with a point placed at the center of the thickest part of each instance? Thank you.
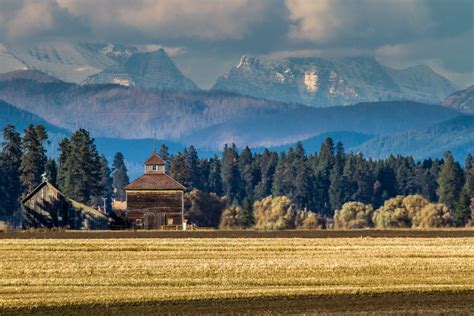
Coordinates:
(146, 70)
(324, 82)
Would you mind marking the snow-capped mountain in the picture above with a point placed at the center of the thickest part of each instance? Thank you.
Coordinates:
(462, 100)
(325, 82)
(82, 62)
(146, 70)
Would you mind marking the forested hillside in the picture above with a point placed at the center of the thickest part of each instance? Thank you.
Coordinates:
(207, 119)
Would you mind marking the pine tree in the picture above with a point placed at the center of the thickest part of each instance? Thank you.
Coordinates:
(247, 172)
(80, 169)
(105, 183)
(33, 160)
(63, 171)
(323, 169)
(164, 154)
(247, 219)
(52, 172)
(119, 177)
(278, 187)
(303, 182)
(192, 176)
(463, 210)
(178, 169)
(10, 160)
(336, 186)
(450, 182)
(267, 163)
(214, 178)
(230, 173)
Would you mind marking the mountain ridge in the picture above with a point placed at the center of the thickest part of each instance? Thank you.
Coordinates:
(322, 82)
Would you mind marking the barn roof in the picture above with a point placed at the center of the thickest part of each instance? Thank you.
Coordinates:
(86, 209)
(154, 160)
(156, 181)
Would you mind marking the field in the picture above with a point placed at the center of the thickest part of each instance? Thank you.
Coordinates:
(237, 275)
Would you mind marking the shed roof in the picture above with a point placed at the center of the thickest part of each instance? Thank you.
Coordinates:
(156, 181)
(154, 160)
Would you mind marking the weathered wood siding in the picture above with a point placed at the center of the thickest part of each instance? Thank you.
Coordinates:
(150, 209)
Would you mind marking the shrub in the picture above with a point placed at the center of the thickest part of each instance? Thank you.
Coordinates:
(354, 215)
(308, 220)
(274, 213)
(232, 218)
(412, 211)
(435, 215)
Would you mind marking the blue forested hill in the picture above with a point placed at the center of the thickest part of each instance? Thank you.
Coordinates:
(455, 135)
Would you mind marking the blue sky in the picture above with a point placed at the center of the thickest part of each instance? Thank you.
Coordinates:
(207, 37)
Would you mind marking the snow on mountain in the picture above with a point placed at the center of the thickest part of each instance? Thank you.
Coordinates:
(146, 66)
(34, 75)
(325, 82)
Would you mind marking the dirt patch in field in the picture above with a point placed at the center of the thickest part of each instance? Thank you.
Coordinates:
(394, 233)
(437, 303)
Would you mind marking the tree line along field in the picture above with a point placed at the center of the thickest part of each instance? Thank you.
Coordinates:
(205, 275)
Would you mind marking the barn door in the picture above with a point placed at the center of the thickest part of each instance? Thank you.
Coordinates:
(149, 221)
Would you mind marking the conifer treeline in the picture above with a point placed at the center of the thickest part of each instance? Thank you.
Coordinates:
(319, 182)
(322, 182)
(81, 173)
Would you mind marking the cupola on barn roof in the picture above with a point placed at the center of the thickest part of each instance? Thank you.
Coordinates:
(154, 160)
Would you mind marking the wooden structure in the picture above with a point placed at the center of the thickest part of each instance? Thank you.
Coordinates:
(155, 200)
(47, 207)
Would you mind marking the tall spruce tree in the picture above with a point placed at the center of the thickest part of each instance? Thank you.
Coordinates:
(450, 182)
(10, 160)
(191, 170)
(336, 186)
(165, 155)
(119, 176)
(323, 170)
(303, 182)
(52, 172)
(80, 170)
(247, 172)
(267, 163)
(214, 178)
(230, 173)
(105, 184)
(463, 211)
(33, 160)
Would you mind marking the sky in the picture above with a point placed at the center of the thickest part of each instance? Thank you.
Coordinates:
(207, 37)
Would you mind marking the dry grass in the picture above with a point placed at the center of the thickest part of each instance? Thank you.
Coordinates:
(67, 272)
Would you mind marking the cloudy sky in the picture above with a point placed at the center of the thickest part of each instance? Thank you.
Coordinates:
(206, 37)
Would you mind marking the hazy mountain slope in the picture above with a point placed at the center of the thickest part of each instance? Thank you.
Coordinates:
(117, 111)
(286, 127)
(34, 75)
(324, 82)
(8, 62)
(461, 100)
(455, 135)
(313, 144)
(146, 70)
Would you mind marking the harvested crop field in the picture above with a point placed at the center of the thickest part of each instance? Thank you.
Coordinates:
(212, 275)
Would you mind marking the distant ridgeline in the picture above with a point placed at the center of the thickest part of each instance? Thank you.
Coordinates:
(320, 182)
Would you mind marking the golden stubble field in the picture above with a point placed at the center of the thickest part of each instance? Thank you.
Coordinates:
(59, 273)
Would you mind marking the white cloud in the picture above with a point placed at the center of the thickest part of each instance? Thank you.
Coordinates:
(362, 22)
(204, 19)
(34, 17)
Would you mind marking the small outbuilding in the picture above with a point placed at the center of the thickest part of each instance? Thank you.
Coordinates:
(47, 207)
(155, 200)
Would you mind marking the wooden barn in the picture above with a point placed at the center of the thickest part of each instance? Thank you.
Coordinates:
(47, 207)
(155, 200)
